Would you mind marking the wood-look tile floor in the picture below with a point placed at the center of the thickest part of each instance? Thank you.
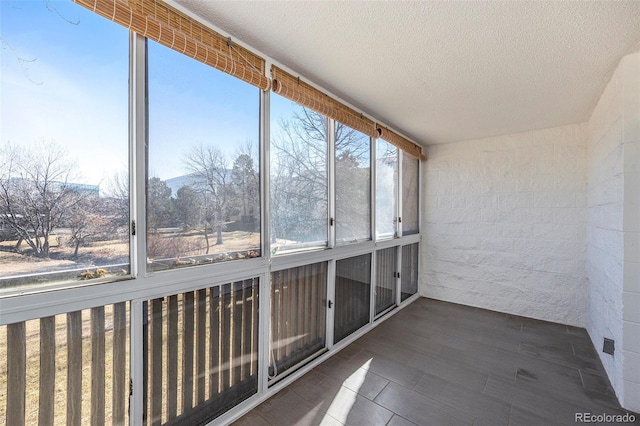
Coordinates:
(438, 363)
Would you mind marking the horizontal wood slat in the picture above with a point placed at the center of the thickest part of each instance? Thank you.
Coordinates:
(168, 26)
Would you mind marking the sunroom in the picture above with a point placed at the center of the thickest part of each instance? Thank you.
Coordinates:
(200, 215)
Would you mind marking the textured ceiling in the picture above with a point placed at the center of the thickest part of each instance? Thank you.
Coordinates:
(443, 71)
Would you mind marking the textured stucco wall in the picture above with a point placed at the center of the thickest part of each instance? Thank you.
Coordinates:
(613, 228)
(504, 222)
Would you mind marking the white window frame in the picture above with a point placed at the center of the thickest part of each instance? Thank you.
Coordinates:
(143, 286)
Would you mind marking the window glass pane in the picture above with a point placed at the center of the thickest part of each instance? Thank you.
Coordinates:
(74, 368)
(409, 276)
(64, 198)
(203, 191)
(353, 289)
(386, 270)
(298, 177)
(202, 353)
(386, 189)
(353, 185)
(298, 313)
(410, 185)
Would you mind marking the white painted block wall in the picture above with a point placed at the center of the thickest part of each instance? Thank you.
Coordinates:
(546, 224)
(630, 66)
(504, 223)
(613, 228)
(605, 248)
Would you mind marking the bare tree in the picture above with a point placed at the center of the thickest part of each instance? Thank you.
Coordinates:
(208, 166)
(116, 201)
(35, 192)
(86, 223)
(299, 175)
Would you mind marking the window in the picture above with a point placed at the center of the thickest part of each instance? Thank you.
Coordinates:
(64, 197)
(409, 277)
(353, 290)
(203, 191)
(299, 216)
(298, 316)
(182, 346)
(353, 185)
(386, 189)
(410, 185)
(386, 273)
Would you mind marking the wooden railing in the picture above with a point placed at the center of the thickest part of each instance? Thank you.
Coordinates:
(200, 348)
(202, 353)
(298, 315)
(69, 369)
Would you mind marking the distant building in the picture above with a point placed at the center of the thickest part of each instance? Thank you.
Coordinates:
(178, 182)
(84, 188)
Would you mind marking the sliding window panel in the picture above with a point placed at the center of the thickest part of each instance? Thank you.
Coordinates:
(70, 368)
(299, 177)
(202, 353)
(203, 186)
(352, 295)
(386, 273)
(353, 185)
(386, 189)
(64, 197)
(298, 316)
(409, 276)
(410, 189)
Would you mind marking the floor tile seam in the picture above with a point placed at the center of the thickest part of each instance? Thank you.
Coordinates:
(405, 346)
(431, 400)
(453, 405)
(374, 402)
(326, 414)
(555, 398)
(562, 394)
(581, 378)
(542, 416)
(403, 418)
(457, 406)
(563, 364)
(389, 358)
(442, 376)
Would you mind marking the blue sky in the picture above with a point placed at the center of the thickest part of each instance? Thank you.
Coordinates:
(190, 104)
(75, 92)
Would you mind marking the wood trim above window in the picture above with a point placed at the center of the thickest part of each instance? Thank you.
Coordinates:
(168, 26)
